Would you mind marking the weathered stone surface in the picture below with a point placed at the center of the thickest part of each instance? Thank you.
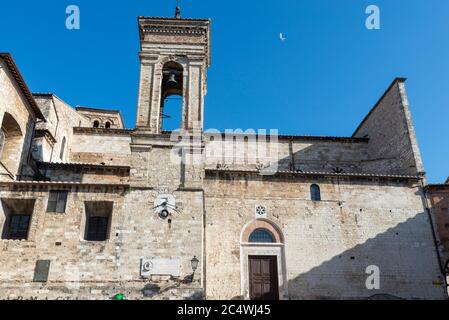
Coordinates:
(372, 210)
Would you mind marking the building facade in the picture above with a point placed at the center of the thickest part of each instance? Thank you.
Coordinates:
(90, 210)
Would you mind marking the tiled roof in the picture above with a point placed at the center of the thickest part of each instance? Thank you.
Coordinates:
(316, 173)
(301, 137)
(21, 82)
(90, 165)
(63, 183)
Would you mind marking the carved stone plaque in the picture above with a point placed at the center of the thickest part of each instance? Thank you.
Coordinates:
(160, 267)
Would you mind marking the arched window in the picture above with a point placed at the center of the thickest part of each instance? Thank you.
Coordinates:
(315, 192)
(61, 154)
(96, 124)
(107, 125)
(261, 236)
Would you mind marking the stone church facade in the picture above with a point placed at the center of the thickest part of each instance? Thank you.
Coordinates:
(90, 210)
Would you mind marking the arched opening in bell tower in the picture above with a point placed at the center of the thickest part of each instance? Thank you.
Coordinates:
(172, 97)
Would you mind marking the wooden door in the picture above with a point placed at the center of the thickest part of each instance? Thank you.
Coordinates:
(263, 278)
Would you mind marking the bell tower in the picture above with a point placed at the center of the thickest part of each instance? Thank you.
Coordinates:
(174, 57)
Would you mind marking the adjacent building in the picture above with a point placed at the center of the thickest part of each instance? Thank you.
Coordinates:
(438, 203)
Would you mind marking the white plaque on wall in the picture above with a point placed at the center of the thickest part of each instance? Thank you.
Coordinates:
(160, 267)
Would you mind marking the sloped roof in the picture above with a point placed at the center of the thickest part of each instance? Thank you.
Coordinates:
(9, 61)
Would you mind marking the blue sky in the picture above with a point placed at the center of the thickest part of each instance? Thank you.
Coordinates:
(321, 81)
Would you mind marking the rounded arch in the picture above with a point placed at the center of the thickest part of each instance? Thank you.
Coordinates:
(179, 60)
(315, 192)
(96, 123)
(261, 224)
(10, 126)
(172, 95)
(11, 144)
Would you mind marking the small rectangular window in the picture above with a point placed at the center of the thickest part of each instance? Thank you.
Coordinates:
(97, 228)
(17, 222)
(98, 220)
(18, 227)
(57, 201)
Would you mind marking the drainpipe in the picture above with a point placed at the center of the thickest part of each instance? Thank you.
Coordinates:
(56, 131)
(204, 244)
(435, 240)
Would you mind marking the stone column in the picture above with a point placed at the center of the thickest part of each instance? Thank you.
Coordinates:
(146, 89)
(195, 102)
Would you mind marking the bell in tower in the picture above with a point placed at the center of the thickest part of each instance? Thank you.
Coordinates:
(171, 82)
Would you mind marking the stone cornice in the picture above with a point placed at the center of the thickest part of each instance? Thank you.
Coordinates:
(179, 27)
(36, 186)
(294, 174)
(84, 167)
(282, 137)
(102, 131)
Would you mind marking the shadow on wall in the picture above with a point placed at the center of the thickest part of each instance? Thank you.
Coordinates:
(405, 256)
(341, 157)
(326, 157)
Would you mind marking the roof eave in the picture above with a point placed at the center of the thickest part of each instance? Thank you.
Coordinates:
(22, 84)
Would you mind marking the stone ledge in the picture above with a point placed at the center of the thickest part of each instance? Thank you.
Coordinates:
(315, 174)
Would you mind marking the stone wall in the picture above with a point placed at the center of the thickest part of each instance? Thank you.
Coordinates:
(246, 151)
(99, 146)
(98, 270)
(393, 147)
(14, 157)
(328, 244)
(102, 116)
(86, 174)
(61, 119)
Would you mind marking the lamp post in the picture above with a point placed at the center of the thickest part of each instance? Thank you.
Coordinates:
(194, 262)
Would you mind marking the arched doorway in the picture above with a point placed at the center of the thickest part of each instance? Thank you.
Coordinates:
(262, 261)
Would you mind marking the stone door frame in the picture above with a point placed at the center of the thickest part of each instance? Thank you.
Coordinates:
(263, 249)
